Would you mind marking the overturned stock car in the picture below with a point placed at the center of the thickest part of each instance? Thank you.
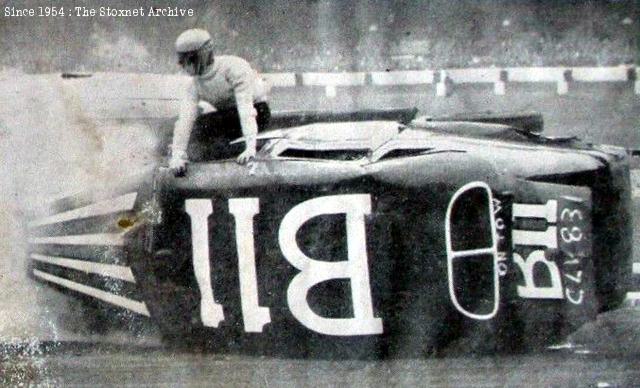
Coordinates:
(366, 234)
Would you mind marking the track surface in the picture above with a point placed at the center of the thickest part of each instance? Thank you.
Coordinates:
(158, 368)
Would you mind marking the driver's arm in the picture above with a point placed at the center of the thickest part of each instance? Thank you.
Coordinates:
(243, 78)
(184, 125)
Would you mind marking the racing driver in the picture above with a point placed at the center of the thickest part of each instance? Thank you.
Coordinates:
(230, 85)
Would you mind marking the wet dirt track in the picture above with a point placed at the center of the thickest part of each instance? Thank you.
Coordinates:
(138, 367)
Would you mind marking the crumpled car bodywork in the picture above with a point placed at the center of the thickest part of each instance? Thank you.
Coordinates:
(369, 238)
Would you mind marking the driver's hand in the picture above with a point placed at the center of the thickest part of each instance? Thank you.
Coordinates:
(178, 165)
(246, 156)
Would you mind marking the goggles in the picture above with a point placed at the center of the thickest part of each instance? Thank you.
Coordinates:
(188, 58)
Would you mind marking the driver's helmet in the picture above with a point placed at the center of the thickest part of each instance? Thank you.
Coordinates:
(195, 51)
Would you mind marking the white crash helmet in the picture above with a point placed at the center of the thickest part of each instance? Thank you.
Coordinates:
(195, 50)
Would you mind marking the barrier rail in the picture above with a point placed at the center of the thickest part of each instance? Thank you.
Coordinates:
(444, 79)
(412, 77)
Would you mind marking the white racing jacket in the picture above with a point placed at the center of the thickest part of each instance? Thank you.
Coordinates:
(230, 82)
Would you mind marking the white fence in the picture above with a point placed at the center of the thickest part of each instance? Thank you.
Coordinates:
(155, 95)
(164, 86)
(446, 79)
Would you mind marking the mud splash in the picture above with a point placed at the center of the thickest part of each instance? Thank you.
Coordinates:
(51, 145)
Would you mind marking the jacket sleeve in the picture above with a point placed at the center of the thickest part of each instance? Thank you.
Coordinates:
(243, 78)
(184, 125)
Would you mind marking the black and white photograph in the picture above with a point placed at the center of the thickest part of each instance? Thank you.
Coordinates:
(366, 193)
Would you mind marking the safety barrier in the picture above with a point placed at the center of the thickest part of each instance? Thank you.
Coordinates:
(281, 79)
(154, 95)
(412, 77)
(446, 79)
(331, 80)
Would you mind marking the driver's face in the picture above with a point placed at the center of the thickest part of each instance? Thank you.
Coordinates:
(189, 62)
(190, 69)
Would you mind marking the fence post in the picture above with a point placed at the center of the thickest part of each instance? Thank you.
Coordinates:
(632, 74)
(330, 91)
(563, 84)
(443, 87)
(499, 87)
